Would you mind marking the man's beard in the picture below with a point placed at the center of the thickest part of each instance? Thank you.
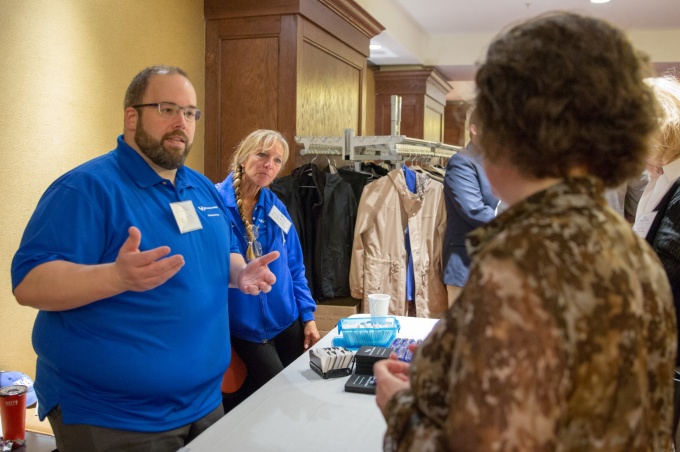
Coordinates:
(166, 158)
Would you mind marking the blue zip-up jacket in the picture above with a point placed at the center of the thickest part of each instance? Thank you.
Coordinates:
(259, 318)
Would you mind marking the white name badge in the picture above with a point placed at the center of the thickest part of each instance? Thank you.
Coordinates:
(643, 223)
(186, 216)
(280, 219)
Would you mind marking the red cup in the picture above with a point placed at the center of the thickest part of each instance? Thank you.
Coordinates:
(13, 412)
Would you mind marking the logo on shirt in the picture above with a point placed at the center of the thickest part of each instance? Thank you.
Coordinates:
(204, 208)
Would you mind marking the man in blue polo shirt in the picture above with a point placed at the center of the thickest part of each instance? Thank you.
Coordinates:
(128, 257)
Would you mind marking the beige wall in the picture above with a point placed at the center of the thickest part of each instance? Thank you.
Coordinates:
(65, 67)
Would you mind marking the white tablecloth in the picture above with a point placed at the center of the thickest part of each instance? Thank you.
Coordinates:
(300, 411)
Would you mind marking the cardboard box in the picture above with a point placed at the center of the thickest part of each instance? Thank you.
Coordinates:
(329, 312)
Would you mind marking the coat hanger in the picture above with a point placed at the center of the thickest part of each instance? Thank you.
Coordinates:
(309, 170)
(332, 169)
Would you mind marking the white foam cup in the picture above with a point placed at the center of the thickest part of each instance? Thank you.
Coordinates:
(378, 304)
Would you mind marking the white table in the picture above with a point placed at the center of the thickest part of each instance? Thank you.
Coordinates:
(300, 411)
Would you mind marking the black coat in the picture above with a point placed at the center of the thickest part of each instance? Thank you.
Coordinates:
(664, 236)
(325, 206)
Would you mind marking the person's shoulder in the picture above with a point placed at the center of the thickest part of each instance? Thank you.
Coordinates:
(670, 206)
(98, 162)
(94, 170)
(463, 157)
(194, 173)
(196, 177)
(272, 199)
(675, 189)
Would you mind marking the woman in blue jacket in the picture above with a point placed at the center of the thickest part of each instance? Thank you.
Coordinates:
(269, 331)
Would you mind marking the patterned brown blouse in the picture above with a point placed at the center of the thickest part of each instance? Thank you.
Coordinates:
(563, 339)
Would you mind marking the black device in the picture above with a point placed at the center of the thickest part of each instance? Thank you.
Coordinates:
(364, 384)
(331, 362)
(363, 381)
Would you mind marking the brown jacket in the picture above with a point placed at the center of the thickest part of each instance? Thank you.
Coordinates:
(563, 339)
(379, 256)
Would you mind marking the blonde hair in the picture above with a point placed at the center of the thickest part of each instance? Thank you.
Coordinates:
(260, 139)
(666, 142)
(256, 140)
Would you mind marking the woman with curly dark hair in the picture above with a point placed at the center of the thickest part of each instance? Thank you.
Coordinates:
(564, 337)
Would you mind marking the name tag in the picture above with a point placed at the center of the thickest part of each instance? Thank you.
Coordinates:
(643, 223)
(186, 216)
(280, 219)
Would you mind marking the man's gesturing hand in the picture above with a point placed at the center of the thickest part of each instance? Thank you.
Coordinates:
(144, 270)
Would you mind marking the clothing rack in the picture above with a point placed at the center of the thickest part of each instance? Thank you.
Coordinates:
(357, 148)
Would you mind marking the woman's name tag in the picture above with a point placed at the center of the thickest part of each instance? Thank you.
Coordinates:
(279, 218)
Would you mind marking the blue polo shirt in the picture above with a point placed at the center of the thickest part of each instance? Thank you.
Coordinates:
(142, 361)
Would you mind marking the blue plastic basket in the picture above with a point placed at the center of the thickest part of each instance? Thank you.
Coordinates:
(360, 331)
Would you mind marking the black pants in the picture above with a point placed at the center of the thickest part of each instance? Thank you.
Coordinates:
(233, 399)
(265, 360)
(82, 437)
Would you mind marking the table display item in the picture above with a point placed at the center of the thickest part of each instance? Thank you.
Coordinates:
(400, 347)
(13, 413)
(362, 381)
(359, 331)
(368, 355)
(378, 304)
(330, 362)
(363, 384)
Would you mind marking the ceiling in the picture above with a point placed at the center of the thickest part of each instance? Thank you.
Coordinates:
(452, 35)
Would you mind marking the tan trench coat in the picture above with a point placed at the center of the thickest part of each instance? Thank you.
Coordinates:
(379, 256)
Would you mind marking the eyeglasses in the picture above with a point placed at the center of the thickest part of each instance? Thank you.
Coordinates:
(170, 110)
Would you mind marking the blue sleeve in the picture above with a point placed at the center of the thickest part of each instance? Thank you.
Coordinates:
(464, 186)
(66, 225)
(303, 297)
(233, 241)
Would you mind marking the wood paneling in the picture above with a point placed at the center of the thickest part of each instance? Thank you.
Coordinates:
(423, 96)
(454, 122)
(409, 112)
(327, 83)
(433, 121)
(243, 85)
(250, 66)
(295, 66)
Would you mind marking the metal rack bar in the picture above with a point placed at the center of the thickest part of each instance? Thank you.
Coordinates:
(390, 147)
(320, 151)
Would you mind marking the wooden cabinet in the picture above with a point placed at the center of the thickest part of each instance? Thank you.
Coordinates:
(296, 66)
(455, 112)
(423, 98)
